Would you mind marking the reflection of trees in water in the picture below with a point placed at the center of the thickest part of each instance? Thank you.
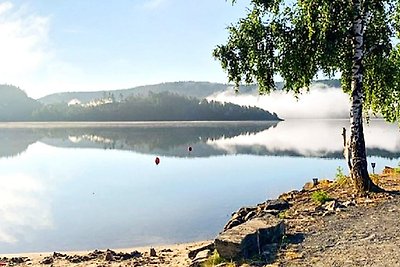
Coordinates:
(15, 141)
(167, 140)
(144, 139)
(164, 140)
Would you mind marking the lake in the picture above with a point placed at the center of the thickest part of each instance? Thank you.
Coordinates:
(79, 186)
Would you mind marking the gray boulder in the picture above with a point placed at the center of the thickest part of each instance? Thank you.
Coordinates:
(249, 238)
(245, 214)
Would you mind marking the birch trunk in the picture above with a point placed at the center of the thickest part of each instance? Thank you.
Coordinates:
(359, 167)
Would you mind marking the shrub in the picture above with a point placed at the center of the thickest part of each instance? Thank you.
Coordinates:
(341, 179)
(216, 259)
(320, 197)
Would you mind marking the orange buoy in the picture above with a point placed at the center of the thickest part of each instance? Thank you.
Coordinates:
(157, 161)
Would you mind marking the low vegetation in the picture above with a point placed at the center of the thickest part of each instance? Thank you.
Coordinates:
(216, 259)
(340, 179)
(320, 196)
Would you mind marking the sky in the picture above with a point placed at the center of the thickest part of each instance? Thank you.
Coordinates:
(49, 46)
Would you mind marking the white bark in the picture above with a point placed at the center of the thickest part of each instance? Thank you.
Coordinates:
(359, 171)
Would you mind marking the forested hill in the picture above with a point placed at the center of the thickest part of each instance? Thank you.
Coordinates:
(163, 106)
(15, 105)
(190, 89)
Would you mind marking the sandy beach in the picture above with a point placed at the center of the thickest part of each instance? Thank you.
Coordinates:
(166, 255)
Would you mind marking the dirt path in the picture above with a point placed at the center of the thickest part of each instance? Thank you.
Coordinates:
(360, 236)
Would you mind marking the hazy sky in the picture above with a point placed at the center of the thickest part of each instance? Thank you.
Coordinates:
(48, 46)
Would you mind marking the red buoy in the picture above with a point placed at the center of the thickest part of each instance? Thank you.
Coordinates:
(157, 160)
(190, 149)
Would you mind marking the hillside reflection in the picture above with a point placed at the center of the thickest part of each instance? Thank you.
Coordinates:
(319, 138)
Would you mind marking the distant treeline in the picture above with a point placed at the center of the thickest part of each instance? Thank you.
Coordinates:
(163, 106)
(15, 105)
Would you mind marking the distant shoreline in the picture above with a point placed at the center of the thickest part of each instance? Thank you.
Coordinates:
(111, 124)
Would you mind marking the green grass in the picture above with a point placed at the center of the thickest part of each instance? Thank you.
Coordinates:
(341, 179)
(320, 197)
(397, 169)
(282, 214)
(216, 259)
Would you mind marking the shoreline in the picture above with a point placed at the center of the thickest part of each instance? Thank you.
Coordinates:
(332, 232)
(122, 249)
(165, 255)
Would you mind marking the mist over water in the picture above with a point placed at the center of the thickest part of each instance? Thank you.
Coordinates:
(320, 102)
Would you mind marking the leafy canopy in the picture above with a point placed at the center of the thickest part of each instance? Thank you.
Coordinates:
(299, 39)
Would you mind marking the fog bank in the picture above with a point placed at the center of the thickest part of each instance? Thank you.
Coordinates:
(320, 102)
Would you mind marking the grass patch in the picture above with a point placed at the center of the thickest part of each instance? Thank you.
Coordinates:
(282, 215)
(341, 179)
(320, 197)
(216, 259)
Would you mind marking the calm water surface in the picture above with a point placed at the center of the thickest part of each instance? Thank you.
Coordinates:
(79, 186)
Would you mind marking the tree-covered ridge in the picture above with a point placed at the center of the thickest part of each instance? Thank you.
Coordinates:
(163, 106)
(15, 105)
(190, 89)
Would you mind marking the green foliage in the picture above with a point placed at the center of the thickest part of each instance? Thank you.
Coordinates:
(188, 89)
(282, 214)
(15, 105)
(216, 259)
(299, 39)
(320, 197)
(339, 173)
(341, 179)
(163, 106)
(397, 170)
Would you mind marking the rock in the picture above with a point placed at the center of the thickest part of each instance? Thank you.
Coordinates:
(59, 255)
(137, 254)
(153, 252)
(47, 260)
(250, 215)
(233, 222)
(248, 239)
(330, 205)
(77, 258)
(274, 207)
(109, 256)
(18, 260)
(349, 203)
(270, 251)
(166, 250)
(388, 170)
(276, 204)
(289, 196)
(201, 257)
(193, 253)
(308, 186)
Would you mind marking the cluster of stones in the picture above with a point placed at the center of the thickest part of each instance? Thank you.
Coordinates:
(251, 231)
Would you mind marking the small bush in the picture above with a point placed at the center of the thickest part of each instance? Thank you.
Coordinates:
(282, 214)
(216, 259)
(341, 179)
(397, 169)
(320, 197)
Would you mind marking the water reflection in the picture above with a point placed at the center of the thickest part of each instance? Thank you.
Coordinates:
(23, 207)
(306, 138)
(72, 187)
(313, 138)
(170, 139)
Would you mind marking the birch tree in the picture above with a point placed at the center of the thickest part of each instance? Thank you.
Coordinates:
(299, 40)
